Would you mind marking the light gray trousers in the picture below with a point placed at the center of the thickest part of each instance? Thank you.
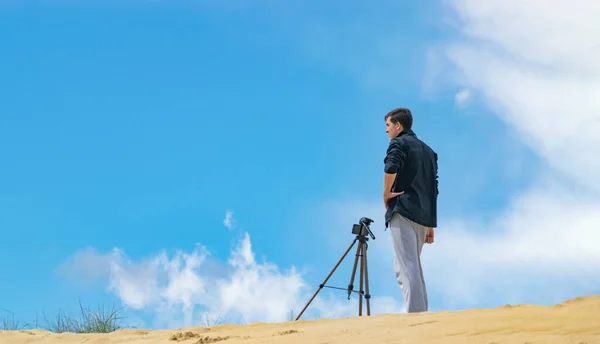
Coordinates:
(408, 238)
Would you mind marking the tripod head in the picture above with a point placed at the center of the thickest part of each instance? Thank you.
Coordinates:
(362, 229)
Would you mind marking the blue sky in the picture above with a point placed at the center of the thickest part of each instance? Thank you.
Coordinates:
(130, 131)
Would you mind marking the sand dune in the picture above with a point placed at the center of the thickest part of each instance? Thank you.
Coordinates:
(575, 321)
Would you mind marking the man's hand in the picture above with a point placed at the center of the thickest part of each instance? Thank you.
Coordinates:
(388, 181)
(429, 236)
(387, 196)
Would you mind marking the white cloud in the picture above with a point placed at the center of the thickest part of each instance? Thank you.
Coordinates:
(86, 267)
(229, 221)
(461, 98)
(182, 291)
(537, 67)
(546, 234)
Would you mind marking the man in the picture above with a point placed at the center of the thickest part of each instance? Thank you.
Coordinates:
(410, 197)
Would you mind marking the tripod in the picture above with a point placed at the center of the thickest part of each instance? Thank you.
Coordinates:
(361, 230)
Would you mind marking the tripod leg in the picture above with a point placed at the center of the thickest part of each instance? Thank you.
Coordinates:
(351, 284)
(327, 278)
(367, 295)
(362, 281)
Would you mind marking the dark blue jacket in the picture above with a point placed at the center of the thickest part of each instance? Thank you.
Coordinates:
(416, 168)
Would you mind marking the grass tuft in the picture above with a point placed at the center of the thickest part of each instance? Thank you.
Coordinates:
(101, 320)
(10, 324)
(90, 321)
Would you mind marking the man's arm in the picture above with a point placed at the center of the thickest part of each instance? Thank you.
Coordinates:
(393, 162)
(388, 181)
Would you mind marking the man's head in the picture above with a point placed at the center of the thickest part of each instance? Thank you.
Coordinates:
(397, 120)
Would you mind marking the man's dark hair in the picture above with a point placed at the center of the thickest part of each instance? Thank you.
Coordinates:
(402, 115)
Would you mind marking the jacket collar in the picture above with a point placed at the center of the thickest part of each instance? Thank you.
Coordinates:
(406, 132)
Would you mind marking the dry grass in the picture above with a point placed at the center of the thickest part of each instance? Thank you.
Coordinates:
(101, 320)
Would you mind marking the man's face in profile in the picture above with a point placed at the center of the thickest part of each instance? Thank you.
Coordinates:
(392, 129)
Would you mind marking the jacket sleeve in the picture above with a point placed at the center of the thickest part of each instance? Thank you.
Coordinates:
(394, 157)
(437, 189)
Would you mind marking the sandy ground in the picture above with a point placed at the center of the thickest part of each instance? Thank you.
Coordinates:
(575, 321)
